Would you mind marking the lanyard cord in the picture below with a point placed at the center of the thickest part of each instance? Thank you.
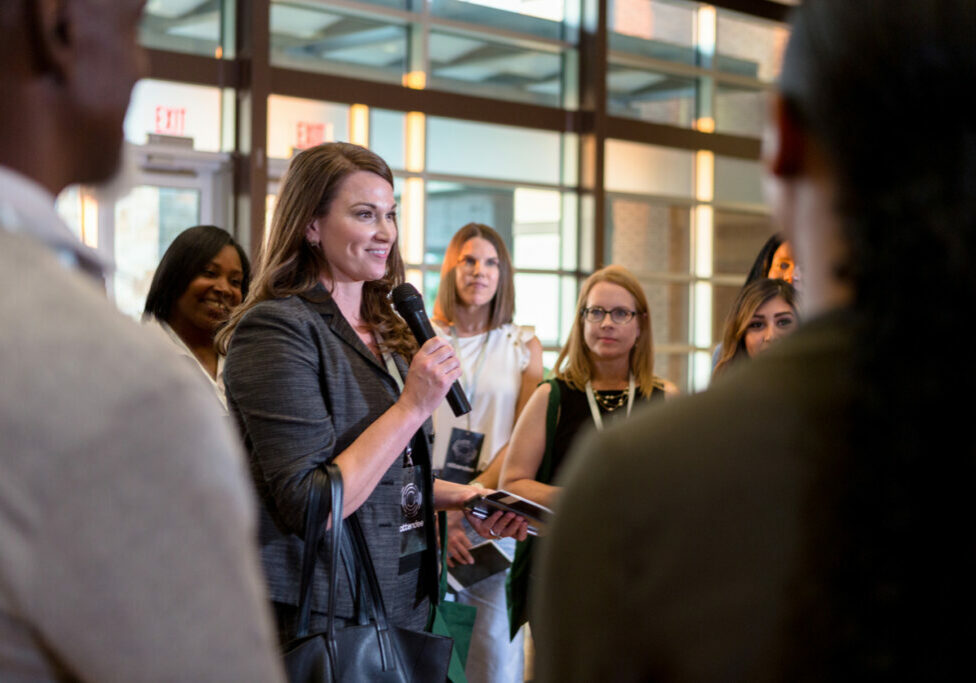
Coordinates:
(595, 411)
(391, 367)
(470, 386)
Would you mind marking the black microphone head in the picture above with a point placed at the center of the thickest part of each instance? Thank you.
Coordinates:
(406, 299)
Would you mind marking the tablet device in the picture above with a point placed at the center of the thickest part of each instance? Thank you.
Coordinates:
(489, 560)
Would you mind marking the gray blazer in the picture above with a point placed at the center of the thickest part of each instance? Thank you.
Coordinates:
(302, 387)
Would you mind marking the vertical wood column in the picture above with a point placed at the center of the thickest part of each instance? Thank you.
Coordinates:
(593, 121)
(251, 159)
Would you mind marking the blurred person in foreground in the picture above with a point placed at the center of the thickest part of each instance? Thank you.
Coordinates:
(808, 519)
(126, 518)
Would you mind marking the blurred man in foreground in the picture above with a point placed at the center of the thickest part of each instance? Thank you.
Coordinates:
(126, 517)
(808, 518)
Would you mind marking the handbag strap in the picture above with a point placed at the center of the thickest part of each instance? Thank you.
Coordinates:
(356, 558)
(544, 473)
(442, 523)
(354, 546)
(321, 501)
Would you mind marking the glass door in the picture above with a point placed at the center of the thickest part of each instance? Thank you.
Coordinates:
(161, 191)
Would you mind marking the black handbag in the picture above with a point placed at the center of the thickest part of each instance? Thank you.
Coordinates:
(370, 649)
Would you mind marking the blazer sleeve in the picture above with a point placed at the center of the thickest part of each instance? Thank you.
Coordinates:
(275, 386)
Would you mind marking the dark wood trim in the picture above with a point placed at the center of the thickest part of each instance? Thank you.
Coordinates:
(764, 9)
(251, 159)
(333, 88)
(593, 122)
(195, 69)
(682, 138)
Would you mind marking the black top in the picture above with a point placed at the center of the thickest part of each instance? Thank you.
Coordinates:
(574, 415)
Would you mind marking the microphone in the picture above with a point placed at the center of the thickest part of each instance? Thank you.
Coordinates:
(410, 305)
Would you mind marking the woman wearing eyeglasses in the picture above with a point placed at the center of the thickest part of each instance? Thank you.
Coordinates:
(605, 369)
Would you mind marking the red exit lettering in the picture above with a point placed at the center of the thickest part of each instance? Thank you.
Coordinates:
(170, 120)
(309, 134)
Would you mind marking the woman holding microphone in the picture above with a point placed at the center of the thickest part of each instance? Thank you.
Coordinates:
(501, 365)
(320, 369)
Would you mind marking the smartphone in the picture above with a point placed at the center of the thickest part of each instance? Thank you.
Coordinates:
(483, 507)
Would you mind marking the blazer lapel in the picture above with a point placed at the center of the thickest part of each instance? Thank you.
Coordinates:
(321, 301)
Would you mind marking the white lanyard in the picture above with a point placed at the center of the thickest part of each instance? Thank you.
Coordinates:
(470, 385)
(595, 411)
(391, 367)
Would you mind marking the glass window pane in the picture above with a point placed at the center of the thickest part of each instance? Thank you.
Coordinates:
(549, 361)
(432, 281)
(306, 36)
(489, 68)
(738, 180)
(738, 237)
(147, 220)
(669, 304)
(387, 136)
(647, 169)
(567, 306)
(528, 219)
(490, 151)
(296, 124)
(451, 206)
(651, 96)
(543, 18)
(537, 303)
(647, 237)
(739, 110)
(653, 28)
(182, 26)
(749, 47)
(673, 367)
(176, 110)
(536, 228)
(723, 296)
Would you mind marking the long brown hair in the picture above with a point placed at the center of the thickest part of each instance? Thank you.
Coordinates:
(574, 365)
(747, 302)
(502, 304)
(288, 265)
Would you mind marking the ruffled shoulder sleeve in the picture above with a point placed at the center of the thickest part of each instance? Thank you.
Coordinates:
(521, 334)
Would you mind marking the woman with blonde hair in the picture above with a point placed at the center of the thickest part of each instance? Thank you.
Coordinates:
(317, 372)
(605, 367)
(501, 365)
(763, 312)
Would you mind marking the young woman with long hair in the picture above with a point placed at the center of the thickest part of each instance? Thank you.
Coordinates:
(764, 311)
(317, 372)
(501, 365)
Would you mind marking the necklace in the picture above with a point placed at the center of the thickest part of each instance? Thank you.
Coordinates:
(611, 400)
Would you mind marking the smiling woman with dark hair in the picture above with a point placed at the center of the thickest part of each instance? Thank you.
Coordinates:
(202, 276)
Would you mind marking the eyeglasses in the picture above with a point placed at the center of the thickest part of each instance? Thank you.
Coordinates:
(617, 315)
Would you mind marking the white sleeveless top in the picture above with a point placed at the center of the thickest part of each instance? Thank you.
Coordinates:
(496, 389)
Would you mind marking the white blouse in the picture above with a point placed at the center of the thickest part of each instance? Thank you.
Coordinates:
(495, 387)
(181, 347)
